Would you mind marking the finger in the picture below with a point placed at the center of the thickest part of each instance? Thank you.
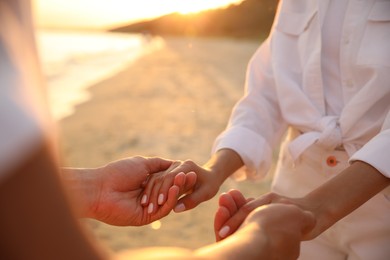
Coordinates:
(232, 200)
(191, 178)
(192, 200)
(226, 200)
(145, 182)
(180, 180)
(154, 196)
(156, 164)
(236, 220)
(173, 195)
(251, 203)
(148, 188)
(221, 216)
(238, 197)
(249, 199)
(185, 182)
(165, 183)
(186, 167)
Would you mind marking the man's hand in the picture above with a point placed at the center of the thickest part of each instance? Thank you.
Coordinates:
(266, 232)
(113, 193)
(234, 209)
(283, 226)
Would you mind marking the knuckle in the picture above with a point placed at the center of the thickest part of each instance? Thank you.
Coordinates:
(138, 157)
(177, 163)
(246, 208)
(189, 162)
(274, 197)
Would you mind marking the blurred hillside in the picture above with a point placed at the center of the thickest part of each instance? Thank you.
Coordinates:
(250, 19)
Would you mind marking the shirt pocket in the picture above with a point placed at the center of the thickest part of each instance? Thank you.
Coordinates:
(294, 24)
(295, 38)
(375, 45)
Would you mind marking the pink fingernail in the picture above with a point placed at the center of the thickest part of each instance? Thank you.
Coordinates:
(180, 207)
(150, 208)
(224, 231)
(160, 199)
(144, 199)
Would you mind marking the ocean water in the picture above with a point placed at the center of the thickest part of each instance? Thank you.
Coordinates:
(73, 61)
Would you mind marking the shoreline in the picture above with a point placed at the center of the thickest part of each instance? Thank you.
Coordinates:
(72, 61)
(170, 103)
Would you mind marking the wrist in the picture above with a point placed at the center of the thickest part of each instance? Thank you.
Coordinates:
(82, 185)
(223, 164)
(217, 176)
(325, 213)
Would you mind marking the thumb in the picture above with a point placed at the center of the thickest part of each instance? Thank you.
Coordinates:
(308, 222)
(156, 164)
(190, 201)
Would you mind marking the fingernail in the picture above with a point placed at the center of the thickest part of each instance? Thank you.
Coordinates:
(150, 208)
(144, 199)
(224, 231)
(180, 207)
(160, 199)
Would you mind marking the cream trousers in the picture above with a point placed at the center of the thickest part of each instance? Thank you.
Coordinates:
(364, 234)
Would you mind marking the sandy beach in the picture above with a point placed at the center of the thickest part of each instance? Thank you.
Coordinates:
(171, 103)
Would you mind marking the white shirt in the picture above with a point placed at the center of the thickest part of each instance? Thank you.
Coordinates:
(285, 87)
(23, 112)
(330, 56)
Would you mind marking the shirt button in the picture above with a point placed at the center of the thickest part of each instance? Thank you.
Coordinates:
(331, 161)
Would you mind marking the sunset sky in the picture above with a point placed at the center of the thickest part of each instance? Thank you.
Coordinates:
(103, 14)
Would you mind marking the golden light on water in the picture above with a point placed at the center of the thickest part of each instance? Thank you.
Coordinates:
(156, 225)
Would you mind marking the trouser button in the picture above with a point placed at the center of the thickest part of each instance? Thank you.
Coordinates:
(331, 161)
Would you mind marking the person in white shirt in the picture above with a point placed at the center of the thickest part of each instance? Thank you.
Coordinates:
(37, 219)
(323, 77)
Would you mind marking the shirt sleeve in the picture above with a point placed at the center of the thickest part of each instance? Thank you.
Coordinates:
(256, 125)
(376, 151)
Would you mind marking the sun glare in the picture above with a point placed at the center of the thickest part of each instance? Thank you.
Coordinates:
(187, 7)
(103, 13)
